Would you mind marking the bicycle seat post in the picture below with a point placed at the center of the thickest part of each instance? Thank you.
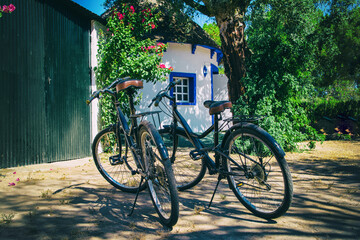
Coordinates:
(130, 94)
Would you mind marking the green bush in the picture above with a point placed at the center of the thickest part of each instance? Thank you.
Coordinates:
(124, 52)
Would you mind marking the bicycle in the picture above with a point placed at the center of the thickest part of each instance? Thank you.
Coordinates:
(126, 156)
(248, 157)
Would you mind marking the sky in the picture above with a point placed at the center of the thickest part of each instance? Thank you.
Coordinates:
(96, 6)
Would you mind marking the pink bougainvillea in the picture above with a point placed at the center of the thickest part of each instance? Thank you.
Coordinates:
(120, 16)
(7, 9)
(132, 9)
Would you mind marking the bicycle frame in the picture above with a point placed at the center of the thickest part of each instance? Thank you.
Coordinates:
(128, 132)
(213, 166)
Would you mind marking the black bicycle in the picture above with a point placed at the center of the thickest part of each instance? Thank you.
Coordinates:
(126, 156)
(251, 160)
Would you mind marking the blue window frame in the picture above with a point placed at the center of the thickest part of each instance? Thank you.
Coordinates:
(185, 91)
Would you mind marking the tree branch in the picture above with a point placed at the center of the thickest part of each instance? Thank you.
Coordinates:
(201, 8)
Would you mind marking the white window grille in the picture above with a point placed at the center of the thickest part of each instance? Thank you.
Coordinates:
(181, 90)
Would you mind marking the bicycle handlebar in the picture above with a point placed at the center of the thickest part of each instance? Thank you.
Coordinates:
(96, 94)
(157, 99)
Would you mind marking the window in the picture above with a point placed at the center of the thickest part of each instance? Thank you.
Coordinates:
(185, 91)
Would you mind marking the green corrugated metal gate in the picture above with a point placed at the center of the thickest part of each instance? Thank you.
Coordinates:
(44, 82)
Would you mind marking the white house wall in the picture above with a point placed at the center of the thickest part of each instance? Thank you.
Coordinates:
(180, 57)
(221, 91)
(95, 30)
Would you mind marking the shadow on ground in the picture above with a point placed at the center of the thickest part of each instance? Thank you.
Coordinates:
(76, 203)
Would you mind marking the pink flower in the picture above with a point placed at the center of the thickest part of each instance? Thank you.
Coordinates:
(162, 66)
(121, 16)
(143, 20)
(5, 9)
(132, 9)
(153, 26)
(18, 179)
(12, 184)
(14, 172)
(11, 8)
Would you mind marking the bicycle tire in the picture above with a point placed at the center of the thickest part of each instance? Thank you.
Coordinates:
(113, 159)
(188, 172)
(265, 186)
(160, 177)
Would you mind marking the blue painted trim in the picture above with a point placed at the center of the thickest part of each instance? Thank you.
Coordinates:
(193, 93)
(219, 53)
(212, 53)
(205, 71)
(193, 48)
(214, 69)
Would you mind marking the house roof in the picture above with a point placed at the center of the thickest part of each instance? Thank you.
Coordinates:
(171, 29)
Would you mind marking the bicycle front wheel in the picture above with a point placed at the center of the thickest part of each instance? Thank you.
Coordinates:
(188, 172)
(160, 177)
(114, 160)
(257, 172)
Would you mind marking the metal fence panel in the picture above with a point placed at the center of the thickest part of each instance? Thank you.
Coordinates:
(44, 81)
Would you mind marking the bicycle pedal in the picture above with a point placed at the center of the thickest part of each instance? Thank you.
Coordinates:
(115, 160)
(196, 154)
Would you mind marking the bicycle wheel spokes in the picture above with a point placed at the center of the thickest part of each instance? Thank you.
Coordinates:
(262, 187)
(157, 177)
(187, 172)
(115, 161)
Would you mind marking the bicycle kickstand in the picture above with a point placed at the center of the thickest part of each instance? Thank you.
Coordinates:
(217, 184)
(137, 194)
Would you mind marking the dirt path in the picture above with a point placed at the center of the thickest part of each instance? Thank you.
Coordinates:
(71, 201)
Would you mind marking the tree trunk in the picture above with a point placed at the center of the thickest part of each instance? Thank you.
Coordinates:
(233, 47)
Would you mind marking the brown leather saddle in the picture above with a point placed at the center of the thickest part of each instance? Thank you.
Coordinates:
(216, 107)
(125, 84)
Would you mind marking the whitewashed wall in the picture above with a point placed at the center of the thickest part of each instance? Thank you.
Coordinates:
(181, 58)
(221, 91)
(95, 29)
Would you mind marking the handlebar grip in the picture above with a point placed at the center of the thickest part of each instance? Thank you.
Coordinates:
(177, 82)
(93, 96)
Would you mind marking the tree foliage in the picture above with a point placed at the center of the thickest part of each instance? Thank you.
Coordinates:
(338, 43)
(213, 30)
(279, 71)
(123, 52)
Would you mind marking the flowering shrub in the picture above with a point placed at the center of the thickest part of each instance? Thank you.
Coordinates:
(124, 52)
(7, 9)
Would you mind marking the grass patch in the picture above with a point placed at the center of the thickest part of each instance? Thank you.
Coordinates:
(7, 218)
(198, 209)
(47, 194)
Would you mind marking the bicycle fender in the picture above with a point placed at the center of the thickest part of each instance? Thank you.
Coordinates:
(268, 137)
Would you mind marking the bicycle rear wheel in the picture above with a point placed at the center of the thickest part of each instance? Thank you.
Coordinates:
(188, 172)
(161, 181)
(114, 160)
(259, 176)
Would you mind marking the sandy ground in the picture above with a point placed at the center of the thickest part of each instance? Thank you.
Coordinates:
(70, 200)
